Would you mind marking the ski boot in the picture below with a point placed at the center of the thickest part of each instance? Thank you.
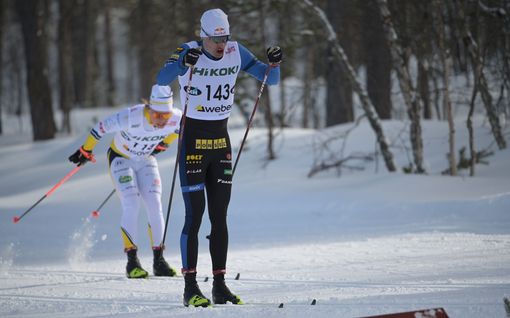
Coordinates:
(192, 294)
(160, 266)
(221, 294)
(134, 268)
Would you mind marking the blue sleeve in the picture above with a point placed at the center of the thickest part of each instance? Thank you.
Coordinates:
(257, 69)
(173, 67)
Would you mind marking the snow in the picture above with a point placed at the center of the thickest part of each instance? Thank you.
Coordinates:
(360, 242)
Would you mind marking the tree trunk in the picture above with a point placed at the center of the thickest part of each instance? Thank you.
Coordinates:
(32, 17)
(269, 120)
(367, 105)
(477, 62)
(131, 79)
(423, 87)
(339, 107)
(84, 43)
(436, 96)
(268, 113)
(110, 94)
(411, 98)
(423, 44)
(469, 125)
(1, 61)
(307, 87)
(17, 83)
(285, 24)
(65, 62)
(283, 104)
(378, 61)
(445, 56)
(147, 54)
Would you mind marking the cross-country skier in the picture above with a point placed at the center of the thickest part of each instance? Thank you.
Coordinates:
(205, 160)
(142, 131)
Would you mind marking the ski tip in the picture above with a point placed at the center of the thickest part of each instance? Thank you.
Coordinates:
(95, 214)
(314, 302)
(280, 305)
(16, 219)
(238, 276)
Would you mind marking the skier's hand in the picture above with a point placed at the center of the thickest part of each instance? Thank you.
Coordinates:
(159, 148)
(81, 157)
(274, 55)
(191, 57)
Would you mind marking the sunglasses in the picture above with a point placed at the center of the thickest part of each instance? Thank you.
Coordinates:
(220, 39)
(217, 39)
(159, 115)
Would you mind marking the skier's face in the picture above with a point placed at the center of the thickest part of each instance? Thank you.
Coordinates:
(216, 45)
(159, 119)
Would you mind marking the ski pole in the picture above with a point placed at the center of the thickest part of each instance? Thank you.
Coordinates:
(251, 118)
(16, 219)
(179, 145)
(95, 213)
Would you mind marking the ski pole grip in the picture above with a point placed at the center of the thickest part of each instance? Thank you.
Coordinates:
(88, 155)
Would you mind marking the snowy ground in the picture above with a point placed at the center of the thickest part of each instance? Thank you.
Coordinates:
(363, 243)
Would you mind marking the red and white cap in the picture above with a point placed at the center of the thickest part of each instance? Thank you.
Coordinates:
(214, 22)
(161, 98)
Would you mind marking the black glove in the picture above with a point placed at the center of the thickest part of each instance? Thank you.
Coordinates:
(81, 157)
(274, 54)
(191, 57)
(159, 148)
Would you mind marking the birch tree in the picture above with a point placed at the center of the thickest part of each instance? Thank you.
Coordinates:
(445, 56)
(411, 98)
(367, 105)
(480, 78)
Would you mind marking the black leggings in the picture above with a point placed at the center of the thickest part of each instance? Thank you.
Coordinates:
(205, 163)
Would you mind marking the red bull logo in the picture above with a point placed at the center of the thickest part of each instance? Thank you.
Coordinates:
(219, 31)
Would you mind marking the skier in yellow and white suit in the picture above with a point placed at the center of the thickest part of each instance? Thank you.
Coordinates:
(141, 131)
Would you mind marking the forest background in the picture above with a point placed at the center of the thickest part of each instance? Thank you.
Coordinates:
(343, 60)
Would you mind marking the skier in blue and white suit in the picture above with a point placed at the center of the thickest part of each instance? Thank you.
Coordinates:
(205, 162)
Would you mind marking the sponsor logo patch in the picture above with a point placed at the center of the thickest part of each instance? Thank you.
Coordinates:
(211, 143)
(194, 159)
(224, 71)
(193, 91)
(125, 179)
(230, 50)
(214, 109)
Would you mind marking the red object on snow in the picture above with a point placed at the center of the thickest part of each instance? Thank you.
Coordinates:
(425, 313)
